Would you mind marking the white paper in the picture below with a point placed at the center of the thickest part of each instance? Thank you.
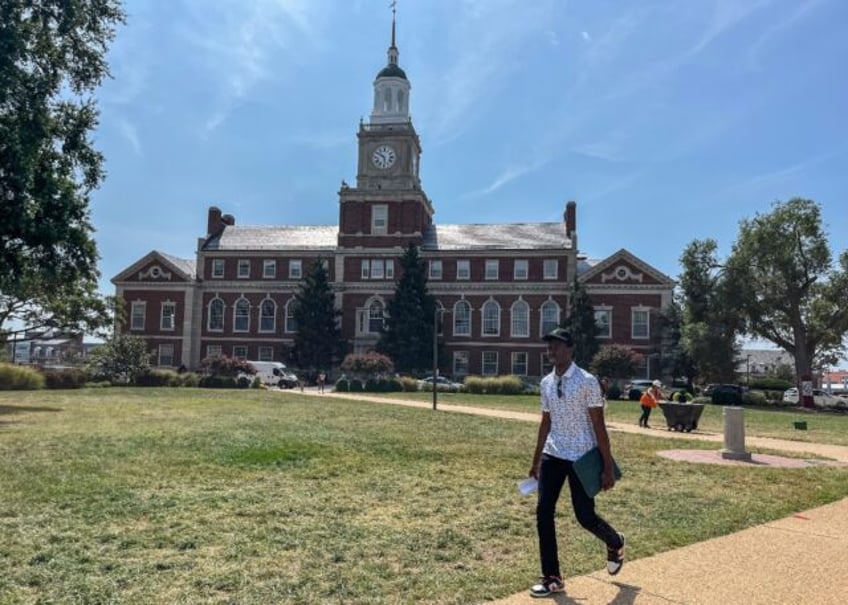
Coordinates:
(527, 486)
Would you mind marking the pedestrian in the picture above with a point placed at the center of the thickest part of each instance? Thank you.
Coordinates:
(649, 400)
(322, 378)
(572, 424)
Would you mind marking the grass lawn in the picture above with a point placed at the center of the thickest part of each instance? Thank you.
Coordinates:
(202, 496)
(822, 427)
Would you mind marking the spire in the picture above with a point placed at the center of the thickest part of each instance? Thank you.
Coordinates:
(393, 51)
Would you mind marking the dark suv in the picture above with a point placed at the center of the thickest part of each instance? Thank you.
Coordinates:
(726, 394)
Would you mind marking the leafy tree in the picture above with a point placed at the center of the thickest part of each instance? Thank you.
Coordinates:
(675, 360)
(318, 342)
(122, 358)
(615, 361)
(408, 336)
(710, 320)
(52, 58)
(581, 323)
(786, 286)
(367, 365)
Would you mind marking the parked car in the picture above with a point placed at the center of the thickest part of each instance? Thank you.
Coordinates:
(726, 393)
(442, 384)
(821, 398)
(634, 389)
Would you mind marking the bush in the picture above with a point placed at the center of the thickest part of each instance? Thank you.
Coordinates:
(222, 382)
(770, 383)
(64, 379)
(342, 385)
(232, 367)
(356, 386)
(754, 398)
(20, 378)
(496, 385)
(408, 385)
(152, 377)
(369, 364)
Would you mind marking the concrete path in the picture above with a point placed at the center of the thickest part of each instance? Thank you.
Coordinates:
(799, 560)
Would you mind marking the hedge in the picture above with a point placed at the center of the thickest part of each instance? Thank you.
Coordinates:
(20, 378)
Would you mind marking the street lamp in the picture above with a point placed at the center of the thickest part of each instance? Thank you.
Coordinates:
(436, 312)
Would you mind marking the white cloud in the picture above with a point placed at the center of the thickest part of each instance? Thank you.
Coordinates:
(585, 35)
(130, 133)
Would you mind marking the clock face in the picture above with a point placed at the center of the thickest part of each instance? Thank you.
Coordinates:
(384, 157)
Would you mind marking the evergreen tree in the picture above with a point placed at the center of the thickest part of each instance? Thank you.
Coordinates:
(675, 360)
(408, 335)
(581, 323)
(318, 342)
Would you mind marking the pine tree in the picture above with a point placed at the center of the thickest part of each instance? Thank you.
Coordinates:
(581, 324)
(318, 343)
(408, 335)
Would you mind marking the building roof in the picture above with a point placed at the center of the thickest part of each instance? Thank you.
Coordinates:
(509, 236)
(392, 71)
(185, 265)
(285, 237)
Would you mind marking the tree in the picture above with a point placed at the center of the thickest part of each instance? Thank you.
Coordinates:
(318, 342)
(615, 361)
(675, 360)
(408, 335)
(710, 321)
(52, 58)
(581, 323)
(786, 286)
(122, 358)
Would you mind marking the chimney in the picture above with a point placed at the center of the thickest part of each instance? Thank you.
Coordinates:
(229, 220)
(213, 223)
(570, 217)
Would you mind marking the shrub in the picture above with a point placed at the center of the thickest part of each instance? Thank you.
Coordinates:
(770, 383)
(356, 386)
(369, 364)
(495, 385)
(615, 360)
(152, 377)
(408, 385)
(221, 365)
(754, 398)
(342, 385)
(219, 382)
(20, 378)
(64, 379)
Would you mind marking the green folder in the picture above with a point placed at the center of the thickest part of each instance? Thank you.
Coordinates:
(589, 468)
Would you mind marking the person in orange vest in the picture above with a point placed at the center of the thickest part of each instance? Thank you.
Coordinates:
(649, 400)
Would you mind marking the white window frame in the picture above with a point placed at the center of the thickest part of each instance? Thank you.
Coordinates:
(218, 266)
(550, 268)
(380, 219)
(209, 326)
(243, 268)
(390, 268)
(214, 350)
(435, 269)
(546, 327)
(240, 304)
(263, 317)
(608, 312)
(492, 268)
(142, 316)
(489, 363)
(519, 330)
(459, 318)
(521, 269)
(291, 324)
(461, 363)
(269, 269)
(372, 317)
(295, 269)
(647, 323)
(515, 365)
(162, 355)
(365, 272)
(163, 325)
(265, 353)
(463, 269)
(487, 323)
(377, 269)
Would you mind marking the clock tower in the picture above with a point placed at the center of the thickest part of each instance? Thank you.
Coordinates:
(387, 207)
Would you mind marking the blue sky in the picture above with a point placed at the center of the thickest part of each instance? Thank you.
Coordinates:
(665, 121)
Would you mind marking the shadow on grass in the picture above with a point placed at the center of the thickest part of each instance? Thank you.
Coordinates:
(17, 409)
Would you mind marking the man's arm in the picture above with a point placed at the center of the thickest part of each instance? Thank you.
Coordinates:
(600, 428)
(544, 429)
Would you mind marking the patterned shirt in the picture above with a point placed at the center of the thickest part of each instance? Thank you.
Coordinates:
(571, 434)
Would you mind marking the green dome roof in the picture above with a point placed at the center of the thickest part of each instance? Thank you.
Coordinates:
(392, 71)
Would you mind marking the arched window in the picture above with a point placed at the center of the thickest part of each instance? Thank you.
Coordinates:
(291, 322)
(241, 316)
(216, 315)
(462, 319)
(549, 317)
(520, 313)
(267, 316)
(375, 317)
(491, 318)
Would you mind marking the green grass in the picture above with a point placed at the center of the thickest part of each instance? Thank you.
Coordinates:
(822, 427)
(198, 496)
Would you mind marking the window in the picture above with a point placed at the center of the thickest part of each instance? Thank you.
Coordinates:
(216, 315)
(519, 364)
(243, 268)
(520, 270)
(375, 317)
(291, 322)
(218, 267)
(390, 269)
(166, 355)
(640, 323)
(603, 319)
(240, 352)
(550, 269)
(295, 269)
(520, 319)
(463, 269)
(266, 354)
(492, 269)
(491, 319)
(213, 351)
(241, 316)
(267, 316)
(490, 363)
(462, 319)
(269, 269)
(378, 269)
(461, 363)
(169, 311)
(550, 317)
(379, 219)
(546, 365)
(435, 269)
(137, 314)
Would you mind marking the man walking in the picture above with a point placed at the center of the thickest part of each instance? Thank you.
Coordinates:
(572, 424)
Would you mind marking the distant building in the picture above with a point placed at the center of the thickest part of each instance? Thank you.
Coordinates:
(763, 362)
(502, 285)
(47, 346)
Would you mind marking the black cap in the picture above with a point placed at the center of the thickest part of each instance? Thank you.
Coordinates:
(559, 334)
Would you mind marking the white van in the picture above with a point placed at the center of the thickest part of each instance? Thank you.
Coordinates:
(274, 373)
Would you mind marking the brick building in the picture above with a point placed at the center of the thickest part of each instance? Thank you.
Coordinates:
(501, 285)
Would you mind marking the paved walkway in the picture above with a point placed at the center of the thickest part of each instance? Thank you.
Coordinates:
(799, 560)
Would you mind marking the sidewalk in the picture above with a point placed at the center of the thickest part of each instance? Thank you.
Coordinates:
(799, 560)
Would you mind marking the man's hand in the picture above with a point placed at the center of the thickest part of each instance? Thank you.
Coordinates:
(534, 471)
(607, 478)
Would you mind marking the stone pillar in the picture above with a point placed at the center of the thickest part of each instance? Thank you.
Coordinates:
(734, 434)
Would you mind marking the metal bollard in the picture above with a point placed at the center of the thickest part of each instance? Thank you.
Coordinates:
(734, 434)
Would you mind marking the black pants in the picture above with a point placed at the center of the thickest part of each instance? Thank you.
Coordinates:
(646, 413)
(552, 475)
